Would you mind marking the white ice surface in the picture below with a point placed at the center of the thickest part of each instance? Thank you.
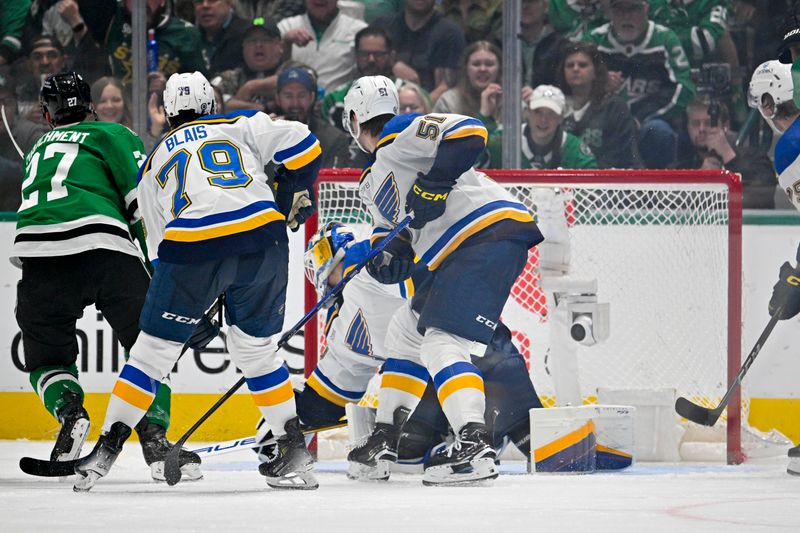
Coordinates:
(757, 496)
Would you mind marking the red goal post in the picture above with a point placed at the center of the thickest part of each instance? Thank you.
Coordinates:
(665, 249)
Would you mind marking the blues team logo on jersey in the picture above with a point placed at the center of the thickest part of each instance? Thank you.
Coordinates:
(357, 338)
(387, 199)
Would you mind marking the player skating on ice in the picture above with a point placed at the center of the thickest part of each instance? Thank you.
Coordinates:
(771, 92)
(473, 237)
(74, 238)
(215, 226)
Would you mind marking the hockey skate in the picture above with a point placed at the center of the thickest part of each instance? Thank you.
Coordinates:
(155, 447)
(74, 429)
(289, 464)
(372, 460)
(100, 460)
(794, 461)
(469, 458)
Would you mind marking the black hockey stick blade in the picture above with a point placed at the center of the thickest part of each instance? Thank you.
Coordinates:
(172, 470)
(45, 468)
(708, 417)
(696, 413)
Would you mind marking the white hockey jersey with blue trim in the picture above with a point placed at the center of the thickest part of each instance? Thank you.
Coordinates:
(356, 332)
(408, 145)
(203, 190)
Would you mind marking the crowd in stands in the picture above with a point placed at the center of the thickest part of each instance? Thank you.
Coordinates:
(606, 83)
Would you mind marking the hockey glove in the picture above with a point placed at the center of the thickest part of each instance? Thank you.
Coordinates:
(395, 263)
(785, 301)
(427, 199)
(205, 332)
(297, 205)
(301, 209)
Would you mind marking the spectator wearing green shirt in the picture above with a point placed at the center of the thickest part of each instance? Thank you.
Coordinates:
(545, 144)
(648, 68)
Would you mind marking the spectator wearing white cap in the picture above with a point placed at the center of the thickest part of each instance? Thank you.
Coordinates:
(545, 144)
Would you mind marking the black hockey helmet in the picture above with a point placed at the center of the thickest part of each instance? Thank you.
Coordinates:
(790, 32)
(66, 97)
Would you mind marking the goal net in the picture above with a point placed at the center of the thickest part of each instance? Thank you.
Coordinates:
(661, 248)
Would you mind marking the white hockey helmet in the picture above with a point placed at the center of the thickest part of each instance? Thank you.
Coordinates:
(188, 92)
(368, 97)
(325, 250)
(775, 79)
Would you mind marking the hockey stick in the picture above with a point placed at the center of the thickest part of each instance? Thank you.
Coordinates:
(172, 470)
(8, 130)
(708, 417)
(47, 468)
(252, 442)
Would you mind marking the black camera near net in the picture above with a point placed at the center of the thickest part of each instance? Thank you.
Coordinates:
(713, 80)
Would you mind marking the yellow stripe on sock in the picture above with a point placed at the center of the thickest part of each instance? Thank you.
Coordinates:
(466, 381)
(275, 396)
(132, 395)
(403, 383)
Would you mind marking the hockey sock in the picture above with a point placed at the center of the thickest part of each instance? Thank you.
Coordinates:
(274, 397)
(160, 408)
(131, 397)
(402, 385)
(51, 382)
(461, 394)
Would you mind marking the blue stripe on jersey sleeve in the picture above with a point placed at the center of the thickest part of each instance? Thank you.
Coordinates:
(397, 124)
(302, 146)
(463, 123)
(218, 218)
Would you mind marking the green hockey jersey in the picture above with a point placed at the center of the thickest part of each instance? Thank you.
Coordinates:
(79, 191)
(657, 82)
(179, 47)
(332, 106)
(575, 18)
(698, 23)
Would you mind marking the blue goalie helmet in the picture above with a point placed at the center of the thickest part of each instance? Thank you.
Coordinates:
(325, 251)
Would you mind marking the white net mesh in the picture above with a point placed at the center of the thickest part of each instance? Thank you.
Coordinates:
(659, 255)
